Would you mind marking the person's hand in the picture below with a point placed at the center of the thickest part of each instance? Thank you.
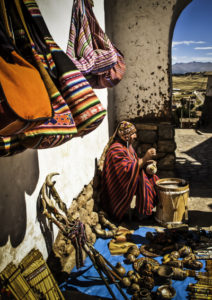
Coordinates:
(148, 157)
(150, 154)
(151, 161)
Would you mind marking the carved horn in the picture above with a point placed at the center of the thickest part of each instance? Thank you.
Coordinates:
(49, 181)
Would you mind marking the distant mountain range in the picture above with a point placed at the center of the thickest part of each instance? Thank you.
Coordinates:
(191, 67)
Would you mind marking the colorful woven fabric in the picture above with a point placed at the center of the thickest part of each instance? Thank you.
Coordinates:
(90, 53)
(57, 129)
(122, 179)
(113, 76)
(86, 108)
(91, 49)
(24, 99)
(23, 88)
(10, 146)
(63, 122)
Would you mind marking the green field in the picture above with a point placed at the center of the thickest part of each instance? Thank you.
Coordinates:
(189, 83)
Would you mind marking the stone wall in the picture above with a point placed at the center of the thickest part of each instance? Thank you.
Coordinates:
(160, 136)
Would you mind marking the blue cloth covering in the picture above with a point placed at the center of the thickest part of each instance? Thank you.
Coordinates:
(87, 280)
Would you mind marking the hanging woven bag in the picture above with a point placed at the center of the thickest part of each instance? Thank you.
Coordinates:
(61, 127)
(91, 49)
(24, 99)
(86, 108)
(89, 55)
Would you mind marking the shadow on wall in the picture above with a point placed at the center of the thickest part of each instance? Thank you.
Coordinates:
(19, 175)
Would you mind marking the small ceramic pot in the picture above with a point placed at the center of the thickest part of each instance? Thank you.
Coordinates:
(166, 292)
(184, 251)
(134, 251)
(120, 269)
(174, 255)
(135, 287)
(130, 258)
(126, 282)
(175, 263)
(165, 271)
(179, 274)
(194, 264)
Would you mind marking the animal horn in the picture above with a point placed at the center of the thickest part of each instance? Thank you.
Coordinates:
(49, 181)
(45, 197)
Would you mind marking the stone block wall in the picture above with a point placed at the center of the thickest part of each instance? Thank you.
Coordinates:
(161, 137)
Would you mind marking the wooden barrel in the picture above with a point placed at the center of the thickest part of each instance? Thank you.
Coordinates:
(172, 206)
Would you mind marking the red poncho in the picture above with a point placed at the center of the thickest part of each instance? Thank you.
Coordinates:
(122, 179)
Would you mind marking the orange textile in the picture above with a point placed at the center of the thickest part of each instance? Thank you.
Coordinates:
(24, 89)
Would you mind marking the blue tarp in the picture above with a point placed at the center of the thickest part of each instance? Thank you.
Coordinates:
(86, 280)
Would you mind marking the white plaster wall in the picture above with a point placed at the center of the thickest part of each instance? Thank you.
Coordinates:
(141, 30)
(23, 175)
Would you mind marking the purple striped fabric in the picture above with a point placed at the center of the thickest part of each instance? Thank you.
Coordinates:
(89, 47)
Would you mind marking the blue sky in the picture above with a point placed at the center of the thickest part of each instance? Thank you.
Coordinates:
(192, 38)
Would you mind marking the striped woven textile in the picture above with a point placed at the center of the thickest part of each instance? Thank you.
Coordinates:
(105, 78)
(10, 146)
(122, 179)
(24, 101)
(62, 122)
(61, 126)
(91, 49)
(89, 54)
(147, 192)
(86, 108)
(111, 77)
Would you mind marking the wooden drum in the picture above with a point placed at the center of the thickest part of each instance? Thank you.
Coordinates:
(173, 195)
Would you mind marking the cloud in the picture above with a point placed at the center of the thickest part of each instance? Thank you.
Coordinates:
(186, 59)
(203, 48)
(186, 43)
(209, 53)
(179, 58)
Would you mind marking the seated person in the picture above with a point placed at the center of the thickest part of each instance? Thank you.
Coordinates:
(123, 175)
